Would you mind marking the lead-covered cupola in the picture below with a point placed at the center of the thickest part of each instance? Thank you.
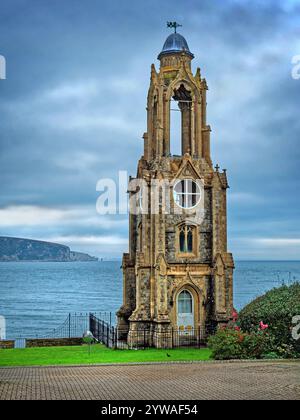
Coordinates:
(174, 51)
(175, 43)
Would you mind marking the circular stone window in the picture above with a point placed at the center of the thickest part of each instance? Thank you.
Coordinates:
(187, 193)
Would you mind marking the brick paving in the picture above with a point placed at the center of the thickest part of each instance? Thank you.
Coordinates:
(178, 381)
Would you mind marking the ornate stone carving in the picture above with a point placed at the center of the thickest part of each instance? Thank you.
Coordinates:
(154, 277)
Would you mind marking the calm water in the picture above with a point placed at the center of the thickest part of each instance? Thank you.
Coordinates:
(36, 297)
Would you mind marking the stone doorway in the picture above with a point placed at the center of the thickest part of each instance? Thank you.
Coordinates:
(185, 311)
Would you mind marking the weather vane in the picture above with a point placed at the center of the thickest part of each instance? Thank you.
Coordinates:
(174, 25)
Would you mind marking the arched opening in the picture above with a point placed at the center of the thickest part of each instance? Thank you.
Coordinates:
(186, 239)
(185, 310)
(175, 130)
(181, 121)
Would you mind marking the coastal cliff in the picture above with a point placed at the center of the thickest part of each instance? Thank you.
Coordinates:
(18, 249)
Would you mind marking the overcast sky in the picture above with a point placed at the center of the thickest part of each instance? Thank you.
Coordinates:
(72, 111)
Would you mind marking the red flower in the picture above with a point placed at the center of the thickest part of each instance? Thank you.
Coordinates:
(235, 315)
(263, 326)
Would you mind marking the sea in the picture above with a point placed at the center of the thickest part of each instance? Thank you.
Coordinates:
(36, 297)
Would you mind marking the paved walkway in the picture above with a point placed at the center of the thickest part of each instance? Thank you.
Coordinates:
(245, 380)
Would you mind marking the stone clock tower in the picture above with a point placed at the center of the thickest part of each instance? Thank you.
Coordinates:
(178, 274)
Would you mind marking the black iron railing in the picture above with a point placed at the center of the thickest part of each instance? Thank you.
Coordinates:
(74, 326)
(103, 331)
(101, 324)
(113, 337)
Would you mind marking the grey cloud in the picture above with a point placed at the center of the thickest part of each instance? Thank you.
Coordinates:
(73, 107)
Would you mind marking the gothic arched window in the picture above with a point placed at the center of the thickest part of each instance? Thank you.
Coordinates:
(187, 239)
(185, 302)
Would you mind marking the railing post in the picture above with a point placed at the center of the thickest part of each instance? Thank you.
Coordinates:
(69, 325)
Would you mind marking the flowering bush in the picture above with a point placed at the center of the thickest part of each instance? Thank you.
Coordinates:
(262, 329)
(257, 345)
(235, 315)
(231, 343)
(274, 312)
(226, 344)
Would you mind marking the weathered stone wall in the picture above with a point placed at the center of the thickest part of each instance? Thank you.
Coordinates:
(162, 268)
(143, 302)
(129, 284)
(204, 235)
(206, 229)
(7, 344)
(54, 342)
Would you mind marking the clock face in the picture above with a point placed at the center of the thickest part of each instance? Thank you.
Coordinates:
(187, 193)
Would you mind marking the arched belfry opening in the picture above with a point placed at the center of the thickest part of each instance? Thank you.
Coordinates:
(183, 99)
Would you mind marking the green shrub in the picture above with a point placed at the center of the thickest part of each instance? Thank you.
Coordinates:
(276, 308)
(226, 344)
(257, 344)
(271, 356)
(287, 351)
(230, 344)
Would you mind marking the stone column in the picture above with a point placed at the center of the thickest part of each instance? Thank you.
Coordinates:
(185, 127)
(198, 129)
(166, 116)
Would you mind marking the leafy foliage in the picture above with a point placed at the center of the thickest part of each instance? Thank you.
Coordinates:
(231, 344)
(277, 309)
(226, 344)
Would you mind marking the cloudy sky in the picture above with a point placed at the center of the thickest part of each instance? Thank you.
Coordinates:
(72, 111)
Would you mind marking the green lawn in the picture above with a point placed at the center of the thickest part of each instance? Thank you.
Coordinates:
(99, 354)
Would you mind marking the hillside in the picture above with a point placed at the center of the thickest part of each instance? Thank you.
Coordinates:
(18, 249)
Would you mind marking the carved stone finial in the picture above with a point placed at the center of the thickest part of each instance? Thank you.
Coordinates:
(204, 84)
(153, 72)
(198, 75)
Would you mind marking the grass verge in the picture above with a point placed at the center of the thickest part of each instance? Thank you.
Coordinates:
(99, 354)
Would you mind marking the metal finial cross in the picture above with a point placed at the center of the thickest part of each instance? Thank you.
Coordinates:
(174, 25)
